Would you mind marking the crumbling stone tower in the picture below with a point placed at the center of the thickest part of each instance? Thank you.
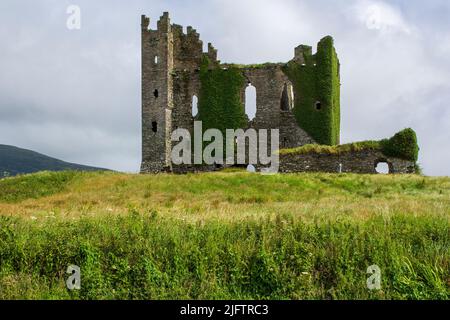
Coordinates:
(300, 98)
(157, 94)
(165, 51)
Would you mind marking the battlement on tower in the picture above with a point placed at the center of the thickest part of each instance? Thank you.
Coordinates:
(301, 53)
(184, 49)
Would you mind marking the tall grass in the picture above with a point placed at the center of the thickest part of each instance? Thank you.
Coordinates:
(150, 257)
(169, 237)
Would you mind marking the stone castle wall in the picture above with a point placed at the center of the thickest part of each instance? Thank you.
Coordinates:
(171, 61)
(351, 162)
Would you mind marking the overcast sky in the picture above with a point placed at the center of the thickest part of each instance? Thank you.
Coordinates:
(75, 94)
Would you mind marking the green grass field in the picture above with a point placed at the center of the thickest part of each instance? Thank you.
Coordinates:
(228, 235)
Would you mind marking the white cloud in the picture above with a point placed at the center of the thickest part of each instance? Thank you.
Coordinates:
(76, 95)
(376, 15)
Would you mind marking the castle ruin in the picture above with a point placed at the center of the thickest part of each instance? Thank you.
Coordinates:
(301, 98)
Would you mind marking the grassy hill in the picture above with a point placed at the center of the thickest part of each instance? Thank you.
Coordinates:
(15, 161)
(227, 235)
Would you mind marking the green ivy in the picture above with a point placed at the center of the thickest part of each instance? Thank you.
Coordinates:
(317, 80)
(219, 104)
(402, 145)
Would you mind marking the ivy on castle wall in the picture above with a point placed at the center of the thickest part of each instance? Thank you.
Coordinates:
(219, 104)
(317, 81)
(402, 145)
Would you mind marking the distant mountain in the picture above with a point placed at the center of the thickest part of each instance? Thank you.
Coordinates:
(15, 161)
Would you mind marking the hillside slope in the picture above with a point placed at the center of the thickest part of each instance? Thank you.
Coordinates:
(14, 160)
(224, 235)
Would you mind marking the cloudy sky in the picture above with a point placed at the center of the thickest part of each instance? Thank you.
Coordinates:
(75, 94)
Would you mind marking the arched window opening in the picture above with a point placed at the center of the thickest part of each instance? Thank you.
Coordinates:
(156, 59)
(156, 93)
(194, 106)
(285, 105)
(382, 167)
(291, 91)
(250, 101)
(154, 126)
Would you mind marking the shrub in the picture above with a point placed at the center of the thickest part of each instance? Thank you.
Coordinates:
(402, 145)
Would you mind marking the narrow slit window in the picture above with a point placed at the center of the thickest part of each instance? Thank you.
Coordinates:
(156, 93)
(154, 126)
(292, 97)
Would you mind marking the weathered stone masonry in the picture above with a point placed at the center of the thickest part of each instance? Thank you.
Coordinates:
(171, 64)
(364, 161)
